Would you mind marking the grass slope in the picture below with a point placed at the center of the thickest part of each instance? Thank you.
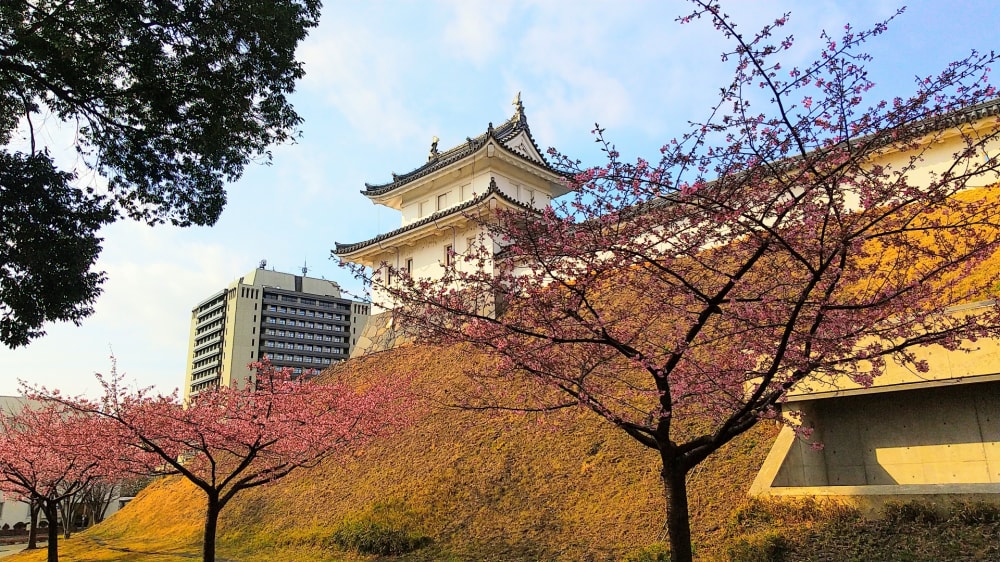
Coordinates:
(480, 486)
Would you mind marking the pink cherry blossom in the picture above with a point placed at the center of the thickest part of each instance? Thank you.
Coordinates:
(227, 440)
(762, 249)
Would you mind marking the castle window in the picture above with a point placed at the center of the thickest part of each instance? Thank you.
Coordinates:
(449, 255)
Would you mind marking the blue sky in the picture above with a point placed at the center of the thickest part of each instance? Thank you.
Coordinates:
(384, 77)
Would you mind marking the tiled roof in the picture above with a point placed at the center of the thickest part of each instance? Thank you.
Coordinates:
(493, 189)
(505, 132)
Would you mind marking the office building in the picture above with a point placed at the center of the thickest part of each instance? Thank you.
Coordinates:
(297, 321)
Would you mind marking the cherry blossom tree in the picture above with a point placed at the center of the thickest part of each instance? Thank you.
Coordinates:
(226, 440)
(49, 453)
(96, 498)
(795, 234)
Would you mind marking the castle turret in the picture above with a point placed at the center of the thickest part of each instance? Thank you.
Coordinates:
(502, 168)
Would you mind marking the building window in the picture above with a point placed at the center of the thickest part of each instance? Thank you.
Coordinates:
(449, 255)
(529, 196)
(442, 201)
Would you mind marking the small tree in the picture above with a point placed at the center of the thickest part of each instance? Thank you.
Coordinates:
(48, 453)
(227, 440)
(682, 299)
(97, 497)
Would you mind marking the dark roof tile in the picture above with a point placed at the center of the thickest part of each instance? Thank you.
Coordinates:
(493, 189)
(505, 132)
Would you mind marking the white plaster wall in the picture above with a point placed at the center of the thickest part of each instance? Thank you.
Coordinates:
(939, 157)
(462, 187)
(14, 511)
(428, 255)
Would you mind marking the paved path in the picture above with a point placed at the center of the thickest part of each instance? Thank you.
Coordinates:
(9, 549)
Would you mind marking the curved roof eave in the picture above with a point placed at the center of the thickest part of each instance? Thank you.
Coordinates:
(493, 191)
(506, 131)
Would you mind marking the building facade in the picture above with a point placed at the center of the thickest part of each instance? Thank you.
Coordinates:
(296, 321)
(444, 201)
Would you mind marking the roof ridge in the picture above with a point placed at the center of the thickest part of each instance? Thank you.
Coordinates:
(507, 130)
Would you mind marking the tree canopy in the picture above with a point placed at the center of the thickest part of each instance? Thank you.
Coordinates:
(229, 439)
(168, 101)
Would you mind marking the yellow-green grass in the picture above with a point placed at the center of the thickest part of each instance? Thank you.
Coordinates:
(481, 486)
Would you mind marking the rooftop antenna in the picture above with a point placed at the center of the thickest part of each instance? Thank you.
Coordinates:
(305, 268)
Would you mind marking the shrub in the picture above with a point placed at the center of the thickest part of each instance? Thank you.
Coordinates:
(897, 513)
(768, 546)
(656, 552)
(373, 537)
(385, 529)
(753, 513)
(976, 513)
(20, 526)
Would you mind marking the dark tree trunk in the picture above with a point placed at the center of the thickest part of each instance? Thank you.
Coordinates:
(33, 525)
(52, 514)
(211, 526)
(678, 523)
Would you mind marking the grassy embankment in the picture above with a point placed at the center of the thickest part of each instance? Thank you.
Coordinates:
(478, 486)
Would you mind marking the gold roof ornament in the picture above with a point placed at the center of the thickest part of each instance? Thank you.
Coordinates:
(434, 148)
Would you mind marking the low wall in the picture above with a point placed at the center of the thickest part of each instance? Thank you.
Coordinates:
(921, 442)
